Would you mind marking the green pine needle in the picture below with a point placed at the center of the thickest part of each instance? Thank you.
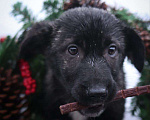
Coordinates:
(8, 53)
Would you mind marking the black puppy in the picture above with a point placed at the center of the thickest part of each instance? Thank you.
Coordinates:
(85, 50)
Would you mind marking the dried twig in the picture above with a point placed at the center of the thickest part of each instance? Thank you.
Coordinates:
(70, 107)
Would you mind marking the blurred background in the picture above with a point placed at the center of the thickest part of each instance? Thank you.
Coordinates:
(9, 24)
(16, 16)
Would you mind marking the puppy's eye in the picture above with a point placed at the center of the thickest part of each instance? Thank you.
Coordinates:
(73, 50)
(112, 50)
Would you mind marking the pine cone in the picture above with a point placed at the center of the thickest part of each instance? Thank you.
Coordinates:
(85, 3)
(13, 102)
(145, 36)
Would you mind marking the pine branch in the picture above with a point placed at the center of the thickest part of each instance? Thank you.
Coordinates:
(53, 8)
(129, 18)
(25, 16)
(23, 12)
(8, 53)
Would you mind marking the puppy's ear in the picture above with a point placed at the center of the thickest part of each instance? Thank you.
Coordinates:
(36, 40)
(134, 48)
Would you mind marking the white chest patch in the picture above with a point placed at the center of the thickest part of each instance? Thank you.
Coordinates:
(77, 116)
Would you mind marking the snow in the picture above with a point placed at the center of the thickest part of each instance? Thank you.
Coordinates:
(132, 77)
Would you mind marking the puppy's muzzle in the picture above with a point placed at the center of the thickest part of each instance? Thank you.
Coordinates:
(90, 96)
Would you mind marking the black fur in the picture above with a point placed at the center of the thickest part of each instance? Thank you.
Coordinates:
(92, 76)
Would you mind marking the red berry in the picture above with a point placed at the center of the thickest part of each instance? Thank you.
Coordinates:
(27, 92)
(33, 90)
(30, 82)
(33, 81)
(2, 39)
(33, 85)
(28, 87)
(25, 73)
(25, 84)
(24, 67)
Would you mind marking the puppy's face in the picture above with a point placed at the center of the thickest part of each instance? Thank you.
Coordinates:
(85, 50)
(89, 50)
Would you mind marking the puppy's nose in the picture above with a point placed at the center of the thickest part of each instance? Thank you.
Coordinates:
(97, 94)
